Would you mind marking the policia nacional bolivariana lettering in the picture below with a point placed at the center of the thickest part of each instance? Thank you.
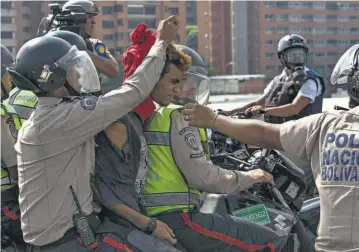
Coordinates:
(340, 157)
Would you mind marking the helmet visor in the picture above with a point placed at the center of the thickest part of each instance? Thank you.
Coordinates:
(344, 64)
(296, 56)
(195, 89)
(81, 72)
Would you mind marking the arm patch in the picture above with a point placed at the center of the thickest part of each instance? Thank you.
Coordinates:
(191, 141)
(184, 130)
(88, 102)
(199, 155)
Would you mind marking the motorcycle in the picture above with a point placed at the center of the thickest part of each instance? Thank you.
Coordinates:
(220, 143)
(282, 207)
(279, 207)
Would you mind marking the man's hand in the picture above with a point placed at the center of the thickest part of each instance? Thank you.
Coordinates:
(168, 29)
(260, 176)
(199, 116)
(255, 110)
(164, 232)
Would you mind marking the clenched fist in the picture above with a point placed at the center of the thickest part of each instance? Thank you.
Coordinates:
(168, 29)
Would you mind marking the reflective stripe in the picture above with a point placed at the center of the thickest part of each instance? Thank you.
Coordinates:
(23, 112)
(170, 199)
(157, 138)
(5, 180)
(3, 110)
(24, 102)
(24, 98)
(6, 109)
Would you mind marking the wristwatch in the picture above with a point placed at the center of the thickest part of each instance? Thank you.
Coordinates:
(151, 226)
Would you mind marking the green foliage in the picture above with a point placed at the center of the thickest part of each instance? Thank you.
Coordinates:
(192, 37)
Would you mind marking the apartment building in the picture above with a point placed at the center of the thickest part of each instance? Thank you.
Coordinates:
(215, 34)
(329, 27)
(19, 22)
(117, 19)
(191, 13)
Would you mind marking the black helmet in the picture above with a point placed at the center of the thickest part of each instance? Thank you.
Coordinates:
(46, 63)
(89, 7)
(292, 51)
(35, 68)
(196, 87)
(6, 59)
(346, 71)
(291, 41)
(70, 37)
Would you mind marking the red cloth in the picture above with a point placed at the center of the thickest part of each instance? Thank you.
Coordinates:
(142, 40)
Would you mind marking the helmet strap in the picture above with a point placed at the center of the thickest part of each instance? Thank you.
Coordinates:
(71, 90)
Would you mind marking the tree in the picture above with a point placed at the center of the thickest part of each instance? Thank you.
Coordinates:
(192, 37)
(208, 66)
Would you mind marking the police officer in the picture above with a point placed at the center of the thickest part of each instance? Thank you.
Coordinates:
(55, 146)
(10, 123)
(11, 235)
(296, 92)
(105, 63)
(328, 141)
(24, 102)
(178, 169)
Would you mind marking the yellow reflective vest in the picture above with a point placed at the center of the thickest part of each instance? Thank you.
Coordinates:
(18, 107)
(166, 188)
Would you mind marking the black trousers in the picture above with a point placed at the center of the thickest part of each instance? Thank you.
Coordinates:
(221, 232)
(111, 237)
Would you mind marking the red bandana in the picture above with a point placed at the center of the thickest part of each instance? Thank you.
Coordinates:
(142, 40)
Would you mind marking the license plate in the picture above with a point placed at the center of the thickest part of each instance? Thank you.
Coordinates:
(257, 214)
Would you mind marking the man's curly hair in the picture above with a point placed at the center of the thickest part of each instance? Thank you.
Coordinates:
(176, 57)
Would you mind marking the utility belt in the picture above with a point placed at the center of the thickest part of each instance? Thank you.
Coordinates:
(98, 227)
(71, 234)
(86, 229)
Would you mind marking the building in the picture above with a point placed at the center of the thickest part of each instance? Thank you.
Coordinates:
(215, 34)
(191, 13)
(19, 22)
(237, 84)
(329, 27)
(117, 19)
(240, 40)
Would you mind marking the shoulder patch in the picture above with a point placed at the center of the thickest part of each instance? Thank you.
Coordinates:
(191, 141)
(100, 48)
(186, 129)
(89, 102)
